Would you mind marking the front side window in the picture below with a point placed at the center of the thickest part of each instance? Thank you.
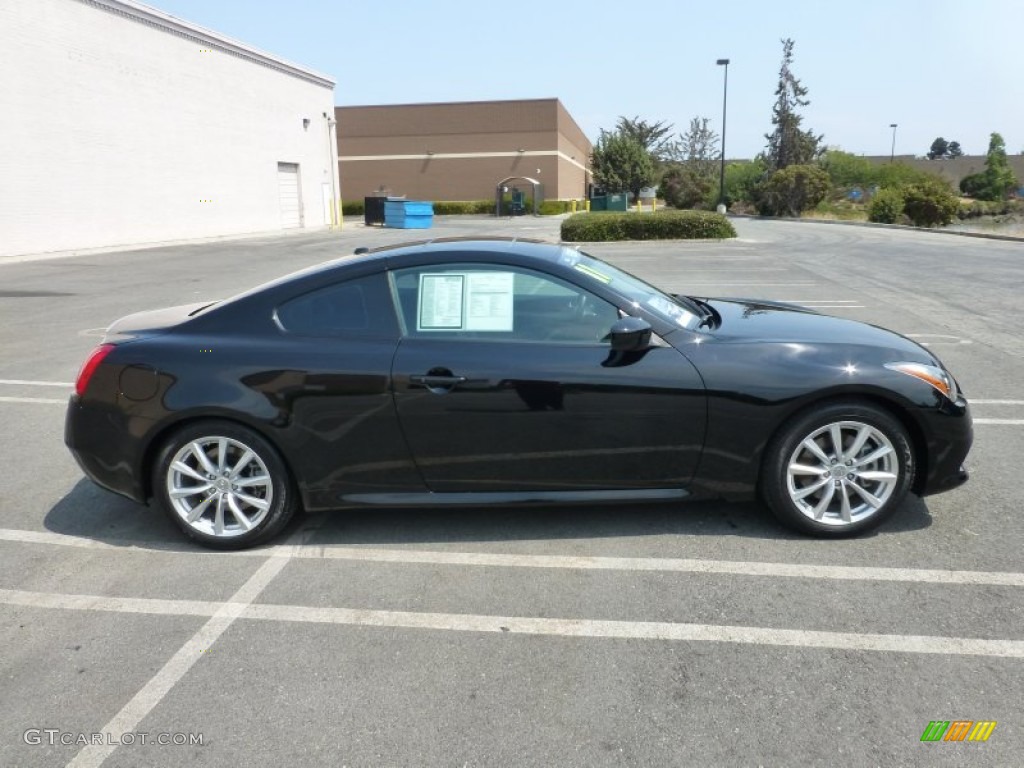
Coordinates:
(497, 302)
(360, 307)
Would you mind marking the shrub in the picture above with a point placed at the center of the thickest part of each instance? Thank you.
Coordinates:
(555, 207)
(929, 205)
(684, 188)
(352, 208)
(886, 207)
(663, 225)
(462, 207)
(793, 189)
(974, 185)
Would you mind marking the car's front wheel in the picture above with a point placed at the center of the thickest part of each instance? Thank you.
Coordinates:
(838, 470)
(224, 485)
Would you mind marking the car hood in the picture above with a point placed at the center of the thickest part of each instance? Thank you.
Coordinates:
(752, 320)
(152, 321)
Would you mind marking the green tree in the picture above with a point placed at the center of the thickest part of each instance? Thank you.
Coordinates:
(938, 149)
(954, 149)
(656, 138)
(999, 177)
(792, 190)
(621, 163)
(697, 149)
(682, 188)
(848, 170)
(788, 144)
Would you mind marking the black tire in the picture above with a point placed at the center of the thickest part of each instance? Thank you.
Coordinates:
(802, 499)
(254, 505)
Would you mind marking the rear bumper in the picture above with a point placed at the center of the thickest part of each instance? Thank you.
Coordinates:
(96, 437)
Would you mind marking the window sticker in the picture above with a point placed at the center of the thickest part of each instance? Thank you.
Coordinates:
(489, 301)
(466, 301)
(441, 302)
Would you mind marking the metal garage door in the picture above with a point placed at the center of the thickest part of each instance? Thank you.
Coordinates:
(288, 187)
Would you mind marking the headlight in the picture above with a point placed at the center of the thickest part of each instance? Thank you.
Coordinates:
(930, 374)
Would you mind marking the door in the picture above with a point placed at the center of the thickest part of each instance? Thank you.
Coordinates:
(502, 383)
(288, 192)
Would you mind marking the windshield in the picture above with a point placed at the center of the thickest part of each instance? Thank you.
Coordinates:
(670, 308)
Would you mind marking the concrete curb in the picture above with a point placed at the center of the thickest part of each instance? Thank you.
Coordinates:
(982, 235)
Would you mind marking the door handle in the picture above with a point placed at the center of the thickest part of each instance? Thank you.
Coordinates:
(433, 382)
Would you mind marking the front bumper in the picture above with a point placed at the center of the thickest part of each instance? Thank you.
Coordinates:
(950, 435)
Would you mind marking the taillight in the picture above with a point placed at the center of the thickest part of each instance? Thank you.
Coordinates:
(89, 367)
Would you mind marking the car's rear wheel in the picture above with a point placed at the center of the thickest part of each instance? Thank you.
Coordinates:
(224, 485)
(838, 470)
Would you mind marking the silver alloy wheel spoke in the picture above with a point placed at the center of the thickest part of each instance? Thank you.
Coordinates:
(837, 442)
(807, 469)
(826, 499)
(252, 501)
(238, 514)
(847, 487)
(803, 493)
(219, 486)
(197, 450)
(873, 456)
(844, 503)
(240, 464)
(183, 491)
(816, 451)
(185, 469)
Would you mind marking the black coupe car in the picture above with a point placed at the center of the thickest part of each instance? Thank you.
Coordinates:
(502, 371)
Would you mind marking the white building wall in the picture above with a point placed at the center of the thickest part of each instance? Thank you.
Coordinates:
(118, 131)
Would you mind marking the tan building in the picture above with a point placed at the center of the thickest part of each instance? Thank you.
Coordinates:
(461, 151)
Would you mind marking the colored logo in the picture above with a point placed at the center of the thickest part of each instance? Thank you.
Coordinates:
(958, 730)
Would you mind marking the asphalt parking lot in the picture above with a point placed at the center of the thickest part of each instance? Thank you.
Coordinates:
(698, 634)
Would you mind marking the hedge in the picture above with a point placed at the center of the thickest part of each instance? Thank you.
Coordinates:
(462, 207)
(663, 225)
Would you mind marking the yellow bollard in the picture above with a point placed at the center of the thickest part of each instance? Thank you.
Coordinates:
(572, 206)
(586, 204)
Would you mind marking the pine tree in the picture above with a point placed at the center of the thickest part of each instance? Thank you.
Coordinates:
(788, 144)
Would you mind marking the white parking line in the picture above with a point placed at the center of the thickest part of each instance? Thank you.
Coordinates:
(46, 400)
(29, 383)
(1006, 422)
(143, 702)
(570, 562)
(223, 614)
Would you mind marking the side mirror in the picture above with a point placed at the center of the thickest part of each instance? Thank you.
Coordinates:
(630, 334)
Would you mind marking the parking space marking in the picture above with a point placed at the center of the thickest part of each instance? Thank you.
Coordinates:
(29, 383)
(1005, 422)
(143, 702)
(45, 400)
(567, 562)
(224, 614)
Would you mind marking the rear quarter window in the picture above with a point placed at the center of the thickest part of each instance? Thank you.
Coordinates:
(358, 307)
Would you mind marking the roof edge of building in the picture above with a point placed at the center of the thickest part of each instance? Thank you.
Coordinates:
(445, 103)
(154, 17)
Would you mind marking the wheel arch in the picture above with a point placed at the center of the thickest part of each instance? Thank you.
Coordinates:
(160, 437)
(890, 405)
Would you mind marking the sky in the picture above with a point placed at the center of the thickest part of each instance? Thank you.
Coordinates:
(936, 68)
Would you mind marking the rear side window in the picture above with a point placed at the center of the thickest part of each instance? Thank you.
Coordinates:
(359, 307)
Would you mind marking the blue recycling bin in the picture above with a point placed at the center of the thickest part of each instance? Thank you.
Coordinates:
(408, 214)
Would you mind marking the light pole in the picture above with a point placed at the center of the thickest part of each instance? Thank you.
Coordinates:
(725, 95)
(892, 154)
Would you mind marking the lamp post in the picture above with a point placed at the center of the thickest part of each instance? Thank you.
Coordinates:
(725, 94)
(892, 153)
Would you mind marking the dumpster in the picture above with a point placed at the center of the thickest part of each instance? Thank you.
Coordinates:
(408, 214)
(373, 210)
